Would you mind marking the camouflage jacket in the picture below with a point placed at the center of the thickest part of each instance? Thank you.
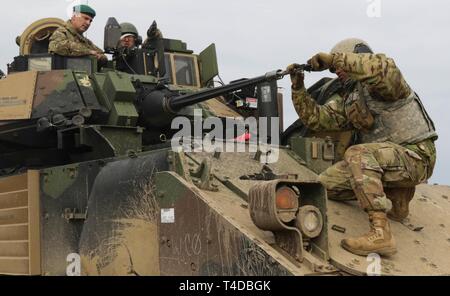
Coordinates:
(66, 41)
(377, 73)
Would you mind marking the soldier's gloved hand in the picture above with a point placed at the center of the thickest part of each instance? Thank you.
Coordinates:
(321, 61)
(343, 76)
(297, 76)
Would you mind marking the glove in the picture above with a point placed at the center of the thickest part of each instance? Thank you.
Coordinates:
(321, 61)
(343, 76)
(297, 77)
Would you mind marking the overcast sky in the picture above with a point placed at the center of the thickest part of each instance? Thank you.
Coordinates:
(253, 37)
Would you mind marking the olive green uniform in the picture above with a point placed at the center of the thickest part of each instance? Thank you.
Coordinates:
(395, 156)
(66, 41)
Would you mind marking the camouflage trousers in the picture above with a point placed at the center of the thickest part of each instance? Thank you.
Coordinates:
(368, 168)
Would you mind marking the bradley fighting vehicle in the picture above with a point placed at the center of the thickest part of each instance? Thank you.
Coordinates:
(90, 183)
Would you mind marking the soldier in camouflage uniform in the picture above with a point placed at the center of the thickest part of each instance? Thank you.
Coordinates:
(395, 146)
(69, 41)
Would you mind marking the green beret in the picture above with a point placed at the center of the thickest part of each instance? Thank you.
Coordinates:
(86, 9)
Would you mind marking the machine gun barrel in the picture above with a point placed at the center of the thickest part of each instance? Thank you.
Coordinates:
(176, 103)
(159, 107)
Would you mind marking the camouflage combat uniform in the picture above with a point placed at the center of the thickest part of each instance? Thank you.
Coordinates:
(396, 149)
(66, 41)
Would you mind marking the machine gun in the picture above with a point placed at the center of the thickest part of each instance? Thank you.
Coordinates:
(159, 106)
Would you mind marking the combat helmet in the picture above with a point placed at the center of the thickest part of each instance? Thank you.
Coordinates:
(354, 45)
(128, 29)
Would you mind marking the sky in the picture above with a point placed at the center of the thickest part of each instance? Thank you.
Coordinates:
(254, 37)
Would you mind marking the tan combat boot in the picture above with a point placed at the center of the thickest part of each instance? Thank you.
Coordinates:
(400, 198)
(378, 240)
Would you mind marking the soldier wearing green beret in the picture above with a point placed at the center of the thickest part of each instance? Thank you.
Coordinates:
(69, 40)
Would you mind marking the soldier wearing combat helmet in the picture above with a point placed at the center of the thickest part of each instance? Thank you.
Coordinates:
(69, 40)
(395, 137)
(128, 44)
(129, 36)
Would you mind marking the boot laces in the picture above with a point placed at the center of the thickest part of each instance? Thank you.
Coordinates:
(375, 234)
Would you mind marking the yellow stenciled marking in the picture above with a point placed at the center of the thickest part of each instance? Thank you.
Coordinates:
(84, 81)
(11, 101)
(17, 95)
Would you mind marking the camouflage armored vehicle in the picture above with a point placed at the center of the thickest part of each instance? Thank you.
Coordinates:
(91, 183)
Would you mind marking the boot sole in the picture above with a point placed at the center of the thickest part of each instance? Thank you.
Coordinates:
(386, 251)
(396, 218)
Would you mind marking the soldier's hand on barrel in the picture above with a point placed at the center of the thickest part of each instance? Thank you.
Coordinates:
(297, 76)
(321, 61)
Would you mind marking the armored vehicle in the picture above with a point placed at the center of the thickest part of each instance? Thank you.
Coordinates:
(96, 179)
